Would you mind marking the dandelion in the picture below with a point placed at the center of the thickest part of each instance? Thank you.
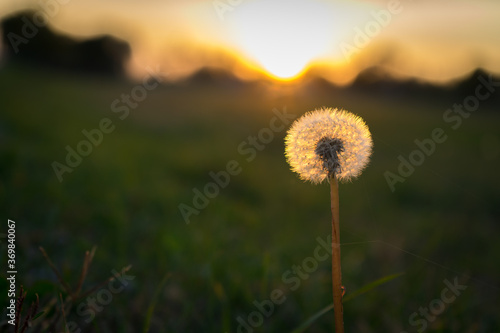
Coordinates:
(328, 142)
(335, 145)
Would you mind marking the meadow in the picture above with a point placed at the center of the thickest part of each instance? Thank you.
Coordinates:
(439, 226)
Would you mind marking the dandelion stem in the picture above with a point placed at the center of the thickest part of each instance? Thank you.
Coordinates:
(336, 271)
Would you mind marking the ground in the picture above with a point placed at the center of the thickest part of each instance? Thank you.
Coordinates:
(439, 226)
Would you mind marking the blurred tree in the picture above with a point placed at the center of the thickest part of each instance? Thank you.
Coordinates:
(27, 41)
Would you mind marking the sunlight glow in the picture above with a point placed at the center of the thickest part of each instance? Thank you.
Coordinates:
(283, 37)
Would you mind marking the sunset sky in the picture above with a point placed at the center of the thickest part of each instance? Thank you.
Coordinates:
(434, 40)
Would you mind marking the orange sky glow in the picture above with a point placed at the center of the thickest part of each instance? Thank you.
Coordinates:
(436, 41)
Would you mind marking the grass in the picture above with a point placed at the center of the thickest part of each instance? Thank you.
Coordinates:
(441, 223)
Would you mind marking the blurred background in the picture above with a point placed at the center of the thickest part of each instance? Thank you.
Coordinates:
(114, 117)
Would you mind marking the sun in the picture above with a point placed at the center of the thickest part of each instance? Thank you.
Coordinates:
(282, 37)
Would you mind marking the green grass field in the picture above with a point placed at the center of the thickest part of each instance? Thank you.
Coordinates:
(440, 224)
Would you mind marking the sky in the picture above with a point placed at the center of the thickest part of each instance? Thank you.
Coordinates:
(431, 40)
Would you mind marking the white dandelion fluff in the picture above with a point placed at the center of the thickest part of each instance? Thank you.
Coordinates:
(328, 142)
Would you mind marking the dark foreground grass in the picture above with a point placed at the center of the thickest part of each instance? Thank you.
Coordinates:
(440, 224)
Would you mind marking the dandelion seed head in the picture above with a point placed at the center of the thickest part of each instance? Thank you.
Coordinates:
(328, 142)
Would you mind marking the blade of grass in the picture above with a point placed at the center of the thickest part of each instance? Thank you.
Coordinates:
(266, 263)
(38, 315)
(102, 284)
(312, 319)
(63, 314)
(29, 317)
(85, 267)
(154, 300)
(19, 308)
(371, 286)
(66, 287)
(358, 292)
